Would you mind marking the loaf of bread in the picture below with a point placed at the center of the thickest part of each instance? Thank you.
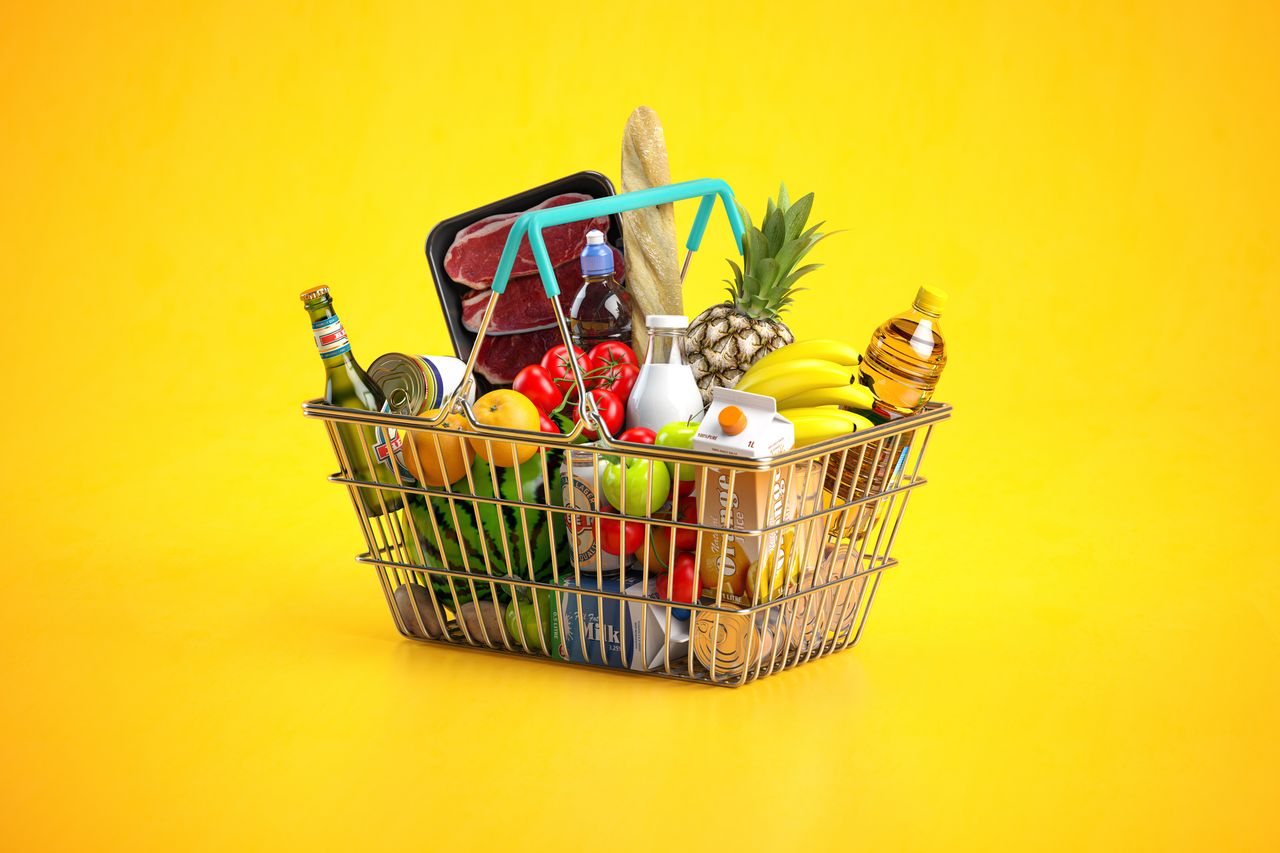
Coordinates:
(649, 234)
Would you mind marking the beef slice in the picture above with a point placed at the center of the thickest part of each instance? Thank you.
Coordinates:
(503, 356)
(524, 306)
(472, 258)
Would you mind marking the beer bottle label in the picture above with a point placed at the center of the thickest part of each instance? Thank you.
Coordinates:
(331, 338)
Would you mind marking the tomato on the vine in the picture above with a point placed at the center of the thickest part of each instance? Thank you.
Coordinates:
(619, 378)
(535, 382)
(610, 409)
(617, 367)
(557, 363)
(546, 424)
(613, 352)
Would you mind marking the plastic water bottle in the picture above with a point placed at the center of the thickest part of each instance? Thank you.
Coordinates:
(601, 310)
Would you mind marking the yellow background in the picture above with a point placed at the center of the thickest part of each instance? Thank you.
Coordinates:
(1080, 648)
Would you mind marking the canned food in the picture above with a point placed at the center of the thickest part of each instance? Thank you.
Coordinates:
(413, 384)
(732, 642)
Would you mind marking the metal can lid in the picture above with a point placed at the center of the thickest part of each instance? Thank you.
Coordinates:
(313, 293)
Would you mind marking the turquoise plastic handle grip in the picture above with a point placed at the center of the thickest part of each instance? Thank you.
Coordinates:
(532, 222)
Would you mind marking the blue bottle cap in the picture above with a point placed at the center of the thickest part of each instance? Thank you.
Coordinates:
(597, 257)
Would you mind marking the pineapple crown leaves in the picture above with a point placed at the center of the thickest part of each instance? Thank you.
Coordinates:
(765, 283)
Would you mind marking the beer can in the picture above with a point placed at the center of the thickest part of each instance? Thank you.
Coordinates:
(413, 384)
(737, 642)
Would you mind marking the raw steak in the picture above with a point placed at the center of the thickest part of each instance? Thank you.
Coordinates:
(524, 306)
(472, 259)
(502, 356)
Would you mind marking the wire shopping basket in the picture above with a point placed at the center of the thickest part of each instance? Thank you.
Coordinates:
(504, 557)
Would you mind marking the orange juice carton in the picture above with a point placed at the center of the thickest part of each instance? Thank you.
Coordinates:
(743, 569)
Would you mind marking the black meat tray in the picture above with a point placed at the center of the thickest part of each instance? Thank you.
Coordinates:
(441, 238)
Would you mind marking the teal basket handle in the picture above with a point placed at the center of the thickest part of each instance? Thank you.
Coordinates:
(533, 222)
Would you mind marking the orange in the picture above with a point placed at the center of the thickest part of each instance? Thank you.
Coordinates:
(429, 450)
(507, 410)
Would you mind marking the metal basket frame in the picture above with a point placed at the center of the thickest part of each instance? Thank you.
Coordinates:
(839, 497)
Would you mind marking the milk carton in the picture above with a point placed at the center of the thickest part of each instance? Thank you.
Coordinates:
(746, 426)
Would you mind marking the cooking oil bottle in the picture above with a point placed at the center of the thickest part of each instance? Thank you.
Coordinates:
(906, 356)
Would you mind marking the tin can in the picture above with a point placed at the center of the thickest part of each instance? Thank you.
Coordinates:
(413, 384)
(813, 619)
(733, 642)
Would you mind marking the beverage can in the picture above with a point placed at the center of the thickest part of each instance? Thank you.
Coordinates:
(580, 474)
(413, 384)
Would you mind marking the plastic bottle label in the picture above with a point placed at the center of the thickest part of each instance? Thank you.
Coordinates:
(331, 338)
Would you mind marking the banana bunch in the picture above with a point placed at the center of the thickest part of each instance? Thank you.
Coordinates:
(814, 383)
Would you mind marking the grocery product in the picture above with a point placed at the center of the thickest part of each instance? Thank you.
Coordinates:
(679, 434)
(638, 435)
(906, 356)
(665, 390)
(746, 426)
(483, 622)
(646, 484)
(472, 259)
(851, 396)
(413, 603)
(601, 309)
(611, 631)
(731, 643)
(616, 369)
(800, 377)
(680, 583)
(608, 407)
(436, 460)
(559, 365)
(853, 419)
(815, 426)
(479, 536)
(580, 477)
(524, 306)
(369, 456)
(728, 338)
(414, 383)
(825, 349)
(810, 620)
(535, 382)
(649, 234)
(502, 356)
(530, 622)
(505, 409)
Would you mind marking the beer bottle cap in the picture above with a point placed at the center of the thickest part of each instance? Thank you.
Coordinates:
(314, 293)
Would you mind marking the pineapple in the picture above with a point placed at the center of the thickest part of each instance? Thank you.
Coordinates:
(728, 338)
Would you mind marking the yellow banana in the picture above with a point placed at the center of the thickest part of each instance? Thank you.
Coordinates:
(854, 396)
(812, 429)
(855, 421)
(789, 383)
(825, 350)
(750, 380)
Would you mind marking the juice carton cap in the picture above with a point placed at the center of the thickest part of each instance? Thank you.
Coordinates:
(742, 424)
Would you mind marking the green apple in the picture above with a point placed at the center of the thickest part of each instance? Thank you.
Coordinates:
(679, 434)
(648, 484)
(520, 612)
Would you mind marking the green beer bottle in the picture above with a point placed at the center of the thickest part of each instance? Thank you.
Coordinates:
(349, 386)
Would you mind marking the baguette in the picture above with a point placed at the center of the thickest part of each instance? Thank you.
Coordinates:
(649, 234)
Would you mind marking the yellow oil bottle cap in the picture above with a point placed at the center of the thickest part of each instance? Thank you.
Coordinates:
(732, 420)
(930, 299)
